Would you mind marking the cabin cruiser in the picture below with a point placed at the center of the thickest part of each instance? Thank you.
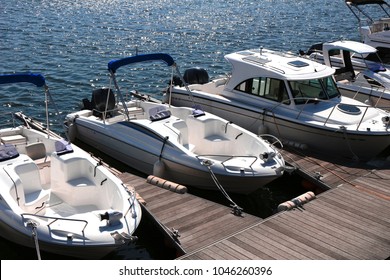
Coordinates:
(373, 31)
(57, 198)
(291, 97)
(356, 77)
(182, 144)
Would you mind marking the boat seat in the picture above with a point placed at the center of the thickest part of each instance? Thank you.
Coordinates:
(14, 139)
(207, 136)
(181, 126)
(37, 152)
(32, 196)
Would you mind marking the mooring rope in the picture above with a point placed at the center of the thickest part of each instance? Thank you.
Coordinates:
(237, 210)
(344, 130)
(33, 226)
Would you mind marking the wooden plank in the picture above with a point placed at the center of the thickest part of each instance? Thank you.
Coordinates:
(305, 236)
(235, 250)
(326, 231)
(213, 230)
(181, 212)
(364, 197)
(349, 235)
(199, 218)
(345, 206)
(351, 220)
(249, 248)
(298, 248)
(265, 245)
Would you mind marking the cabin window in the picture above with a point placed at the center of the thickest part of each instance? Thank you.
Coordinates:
(307, 90)
(330, 87)
(267, 88)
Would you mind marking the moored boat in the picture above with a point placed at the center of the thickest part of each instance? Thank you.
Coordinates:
(293, 98)
(181, 144)
(58, 198)
(373, 31)
(356, 77)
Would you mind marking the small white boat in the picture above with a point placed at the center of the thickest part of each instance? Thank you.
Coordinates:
(58, 198)
(291, 97)
(180, 144)
(373, 31)
(356, 77)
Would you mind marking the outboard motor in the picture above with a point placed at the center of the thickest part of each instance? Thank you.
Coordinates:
(99, 101)
(196, 76)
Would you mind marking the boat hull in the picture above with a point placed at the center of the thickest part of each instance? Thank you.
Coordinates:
(91, 252)
(78, 208)
(148, 154)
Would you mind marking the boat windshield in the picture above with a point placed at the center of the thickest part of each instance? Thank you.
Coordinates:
(324, 88)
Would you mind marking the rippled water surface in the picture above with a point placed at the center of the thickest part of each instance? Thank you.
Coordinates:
(71, 42)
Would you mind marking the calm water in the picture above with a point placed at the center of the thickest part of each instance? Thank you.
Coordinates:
(71, 42)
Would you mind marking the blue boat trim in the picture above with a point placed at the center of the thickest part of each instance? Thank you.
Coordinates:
(34, 78)
(113, 65)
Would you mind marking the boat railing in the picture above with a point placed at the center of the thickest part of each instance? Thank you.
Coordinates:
(56, 219)
(106, 114)
(377, 92)
(350, 108)
(118, 113)
(228, 157)
(263, 63)
(131, 200)
(372, 86)
(379, 98)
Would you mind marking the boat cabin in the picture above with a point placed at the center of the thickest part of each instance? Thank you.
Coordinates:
(278, 77)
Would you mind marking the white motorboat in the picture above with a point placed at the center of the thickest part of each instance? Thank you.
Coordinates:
(356, 77)
(58, 198)
(373, 31)
(291, 97)
(185, 145)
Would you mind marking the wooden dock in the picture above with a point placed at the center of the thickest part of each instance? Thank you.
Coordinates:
(198, 221)
(349, 221)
